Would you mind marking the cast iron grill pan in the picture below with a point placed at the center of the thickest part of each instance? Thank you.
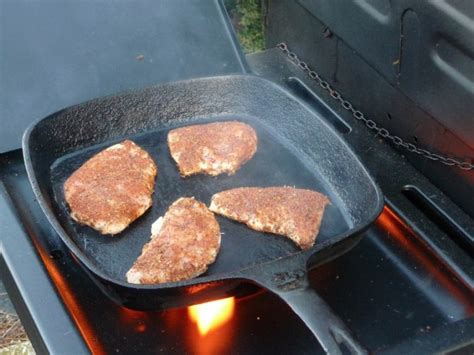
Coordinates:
(273, 165)
(296, 148)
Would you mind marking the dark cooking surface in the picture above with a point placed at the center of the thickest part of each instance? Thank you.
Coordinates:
(288, 124)
(274, 164)
(27, 282)
(387, 286)
(396, 294)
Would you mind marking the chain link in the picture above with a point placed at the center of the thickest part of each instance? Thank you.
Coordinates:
(372, 125)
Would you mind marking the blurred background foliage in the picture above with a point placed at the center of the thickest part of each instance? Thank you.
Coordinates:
(246, 16)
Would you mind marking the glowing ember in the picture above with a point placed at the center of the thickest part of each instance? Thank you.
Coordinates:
(212, 315)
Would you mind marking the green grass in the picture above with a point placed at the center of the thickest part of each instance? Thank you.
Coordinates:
(247, 19)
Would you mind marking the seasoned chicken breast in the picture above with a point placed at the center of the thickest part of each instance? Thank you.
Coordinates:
(183, 243)
(213, 148)
(112, 189)
(294, 213)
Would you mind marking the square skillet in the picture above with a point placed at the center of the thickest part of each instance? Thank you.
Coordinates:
(296, 148)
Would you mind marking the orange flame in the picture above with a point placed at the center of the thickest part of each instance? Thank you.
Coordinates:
(212, 315)
(424, 255)
(78, 315)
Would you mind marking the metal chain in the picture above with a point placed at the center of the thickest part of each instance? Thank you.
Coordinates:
(369, 123)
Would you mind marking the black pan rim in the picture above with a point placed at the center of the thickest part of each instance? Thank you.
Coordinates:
(377, 209)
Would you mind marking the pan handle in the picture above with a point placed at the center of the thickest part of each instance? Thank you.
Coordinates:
(328, 328)
(290, 282)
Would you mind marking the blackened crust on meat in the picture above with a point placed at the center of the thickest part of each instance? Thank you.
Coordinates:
(294, 213)
(113, 188)
(183, 244)
(213, 148)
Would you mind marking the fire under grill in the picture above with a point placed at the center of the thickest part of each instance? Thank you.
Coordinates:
(406, 287)
(394, 278)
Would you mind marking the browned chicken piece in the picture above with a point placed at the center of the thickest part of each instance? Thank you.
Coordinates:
(294, 213)
(213, 148)
(184, 242)
(113, 188)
